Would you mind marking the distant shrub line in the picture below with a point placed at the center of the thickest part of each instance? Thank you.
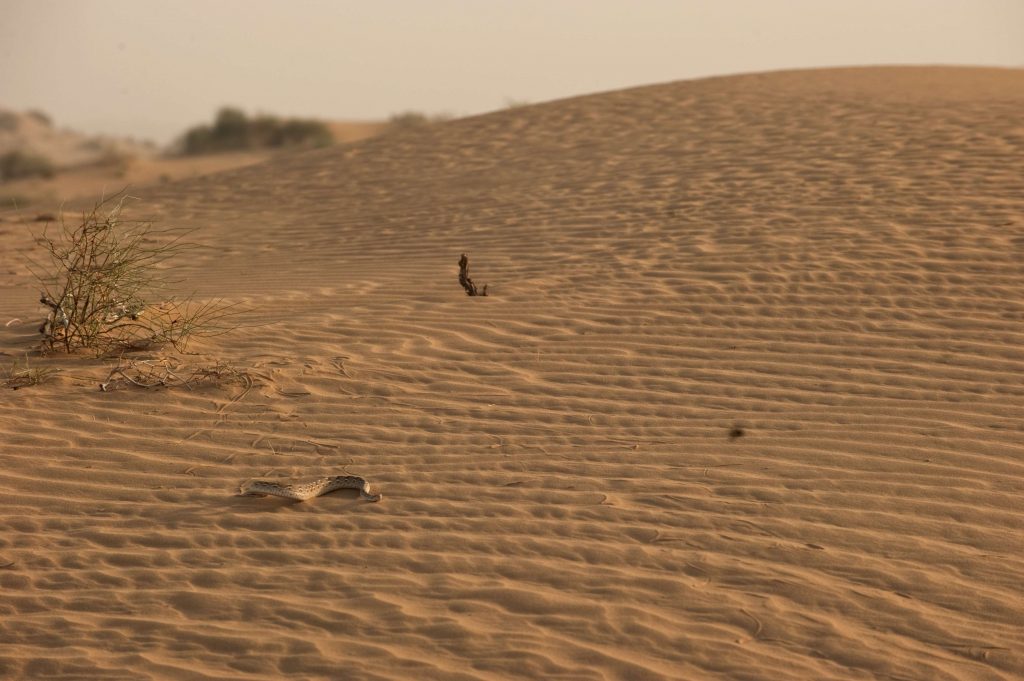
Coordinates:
(15, 165)
(233, 130)
(415, 119)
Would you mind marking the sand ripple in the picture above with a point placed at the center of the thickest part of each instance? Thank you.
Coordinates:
(744, 402)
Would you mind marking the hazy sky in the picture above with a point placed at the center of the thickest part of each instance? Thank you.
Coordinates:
(152, 68)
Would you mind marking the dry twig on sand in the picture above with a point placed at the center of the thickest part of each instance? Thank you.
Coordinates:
(467, 283)
(164, 373)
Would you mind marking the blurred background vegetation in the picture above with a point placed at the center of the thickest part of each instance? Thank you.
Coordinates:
(233, 130)
(18, 164)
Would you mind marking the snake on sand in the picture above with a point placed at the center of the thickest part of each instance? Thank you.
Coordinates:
(310, 489)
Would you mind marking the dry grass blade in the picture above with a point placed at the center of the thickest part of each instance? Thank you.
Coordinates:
(16, 377)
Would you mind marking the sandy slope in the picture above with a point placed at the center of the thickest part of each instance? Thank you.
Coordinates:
(831, 260)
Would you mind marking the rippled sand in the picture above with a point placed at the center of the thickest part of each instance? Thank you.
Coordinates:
(745, 402)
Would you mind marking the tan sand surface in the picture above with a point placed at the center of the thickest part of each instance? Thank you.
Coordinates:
(831, 261)
(33, 195)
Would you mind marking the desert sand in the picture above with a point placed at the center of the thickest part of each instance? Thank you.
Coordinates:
(744, 401)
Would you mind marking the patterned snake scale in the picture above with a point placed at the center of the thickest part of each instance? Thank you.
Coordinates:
(310, 490)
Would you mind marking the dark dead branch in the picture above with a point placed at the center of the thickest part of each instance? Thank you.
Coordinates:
(466, 282)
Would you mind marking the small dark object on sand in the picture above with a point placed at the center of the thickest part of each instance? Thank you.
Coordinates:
(736, 432)
(467, 283)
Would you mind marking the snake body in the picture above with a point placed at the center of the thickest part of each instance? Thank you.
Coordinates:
(310, 489)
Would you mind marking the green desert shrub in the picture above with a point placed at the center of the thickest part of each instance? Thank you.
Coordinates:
(415, 119)
(297, 131)
(101, 281)
(408, 119)
(233, 130)
(15, 165)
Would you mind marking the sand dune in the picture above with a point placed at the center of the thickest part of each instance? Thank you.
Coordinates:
(829, 262)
